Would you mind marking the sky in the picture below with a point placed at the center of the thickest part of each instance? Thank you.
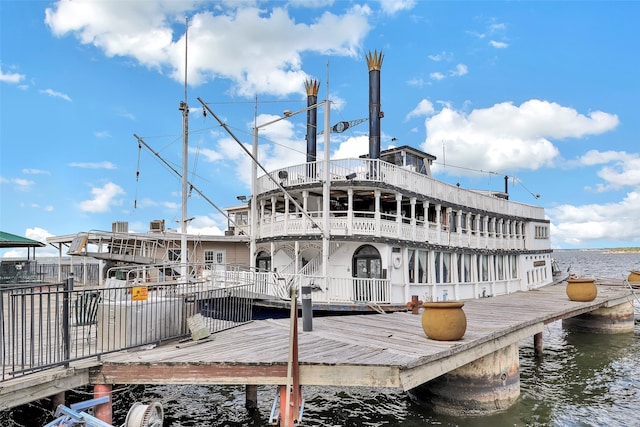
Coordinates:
(545, 93)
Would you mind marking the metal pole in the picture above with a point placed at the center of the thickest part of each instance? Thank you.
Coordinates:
(307, 309)
(66, 332)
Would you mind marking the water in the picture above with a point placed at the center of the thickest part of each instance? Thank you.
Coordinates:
(581, 380)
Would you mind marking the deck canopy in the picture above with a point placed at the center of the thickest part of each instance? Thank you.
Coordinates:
(8, 240)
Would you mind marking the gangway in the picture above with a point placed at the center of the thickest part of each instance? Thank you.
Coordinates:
(124, 247)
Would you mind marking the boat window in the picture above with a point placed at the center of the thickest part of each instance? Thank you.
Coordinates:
(412, 266)
(422, 267)
(367, 263)
(263, 261)
(214, 257)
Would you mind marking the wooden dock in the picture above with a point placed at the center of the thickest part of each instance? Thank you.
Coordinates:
(373, 350)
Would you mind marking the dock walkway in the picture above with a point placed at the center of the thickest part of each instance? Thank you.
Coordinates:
(374, 350)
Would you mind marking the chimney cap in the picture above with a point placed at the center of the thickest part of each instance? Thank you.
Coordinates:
(374, 60)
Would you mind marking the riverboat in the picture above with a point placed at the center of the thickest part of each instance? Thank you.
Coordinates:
(373, 232)
(370, 233)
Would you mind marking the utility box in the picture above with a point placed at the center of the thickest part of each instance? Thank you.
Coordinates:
(128, 323)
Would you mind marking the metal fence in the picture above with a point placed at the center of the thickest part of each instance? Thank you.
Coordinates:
(47, 325)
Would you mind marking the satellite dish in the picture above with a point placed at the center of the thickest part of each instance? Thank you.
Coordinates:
(141, 415)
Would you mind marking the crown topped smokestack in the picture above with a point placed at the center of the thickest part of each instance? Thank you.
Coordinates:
(374, 62)
(312, 87)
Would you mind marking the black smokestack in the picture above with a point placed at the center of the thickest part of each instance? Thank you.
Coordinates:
(312, 87)
(374, 62)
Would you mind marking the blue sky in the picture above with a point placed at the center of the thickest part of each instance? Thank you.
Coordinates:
(544, 92)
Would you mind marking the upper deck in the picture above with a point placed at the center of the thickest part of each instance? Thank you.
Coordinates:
(374, 173)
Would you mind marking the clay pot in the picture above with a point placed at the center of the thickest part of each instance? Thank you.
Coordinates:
(582, 290)
(444, 321)
(634, 276)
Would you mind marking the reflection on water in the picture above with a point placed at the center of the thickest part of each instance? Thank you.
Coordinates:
(580, 380)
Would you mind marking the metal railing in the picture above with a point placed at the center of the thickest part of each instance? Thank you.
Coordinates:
(48, 325)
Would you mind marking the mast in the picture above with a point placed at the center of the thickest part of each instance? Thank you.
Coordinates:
(184, 107)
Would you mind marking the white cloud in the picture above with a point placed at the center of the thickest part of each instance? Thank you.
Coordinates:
(353, 147)
(205, 225)
(11, 77)
(460, 70)
(103, 198)
(258, 49)
(391, 7)
(416, 81)
(37, 233)
(56, 94)
(583, 224)
(595, 157)
(499, 45)
(424, 108)
(442, 56)
(93, 165)
(508, 137)
(29, 171)
(21, 184)
(102, 134)
(437, 76)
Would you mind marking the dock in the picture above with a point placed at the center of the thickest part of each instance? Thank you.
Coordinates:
(373, 350)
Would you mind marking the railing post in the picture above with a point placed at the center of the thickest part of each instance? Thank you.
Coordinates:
(66, 333)
(307, 309)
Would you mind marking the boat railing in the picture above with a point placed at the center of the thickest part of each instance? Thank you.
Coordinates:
(49, 325)
(344, 290)
(378, 171)
(364, 223)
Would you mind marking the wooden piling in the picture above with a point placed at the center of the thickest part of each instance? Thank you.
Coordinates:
(537, 344)
(251, 397)
(103, 412)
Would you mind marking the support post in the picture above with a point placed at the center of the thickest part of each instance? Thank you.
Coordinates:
(537, 344)
(607, 320)
(66, 312)
(251, 399)
(307, 309)
(104, 411)
(57, 400)
(291, 393)
(484, 386)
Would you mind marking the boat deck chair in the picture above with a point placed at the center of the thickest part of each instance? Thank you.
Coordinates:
(86, 310)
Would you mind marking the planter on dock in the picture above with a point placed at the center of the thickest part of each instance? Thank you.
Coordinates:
(444, 321)
(582, 290)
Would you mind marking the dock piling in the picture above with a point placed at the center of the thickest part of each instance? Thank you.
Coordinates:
(537, 344)
(104, 411)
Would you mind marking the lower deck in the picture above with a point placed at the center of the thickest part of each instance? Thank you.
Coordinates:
(375, 350)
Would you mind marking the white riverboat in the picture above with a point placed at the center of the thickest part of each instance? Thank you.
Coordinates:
(372, 232)
(364, 234)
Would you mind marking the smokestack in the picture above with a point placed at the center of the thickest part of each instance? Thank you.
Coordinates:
(312, 87)
(374, 62)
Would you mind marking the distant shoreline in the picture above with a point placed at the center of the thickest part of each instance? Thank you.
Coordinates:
(623, 251)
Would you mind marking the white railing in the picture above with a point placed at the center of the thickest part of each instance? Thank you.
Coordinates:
(349, 290)
(361, 226)
(380, 171)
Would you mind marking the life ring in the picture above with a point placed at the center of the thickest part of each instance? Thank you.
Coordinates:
(396, 262)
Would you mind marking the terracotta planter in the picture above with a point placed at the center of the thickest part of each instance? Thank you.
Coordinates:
(634, 276)
(444, 321)
(582, 290)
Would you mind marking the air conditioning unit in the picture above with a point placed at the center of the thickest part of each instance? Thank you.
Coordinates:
(156, 225)
(120, 227)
